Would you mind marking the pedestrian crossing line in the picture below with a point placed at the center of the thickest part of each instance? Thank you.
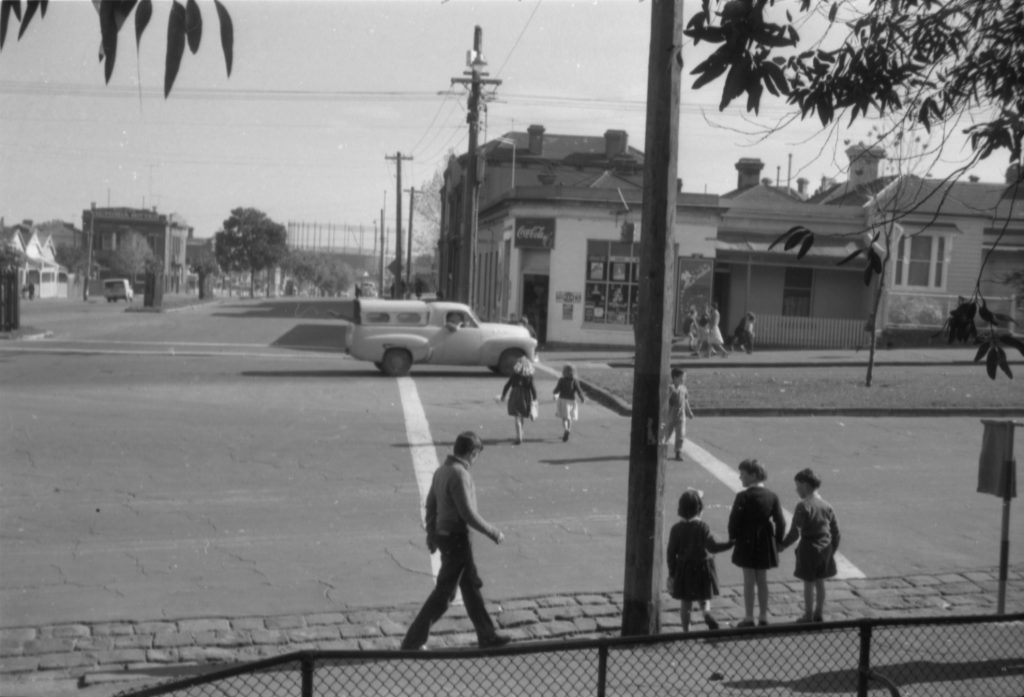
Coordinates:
(424, 455)
(730, 478)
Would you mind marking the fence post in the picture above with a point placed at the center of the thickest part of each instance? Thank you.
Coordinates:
(307, 675)
(602, 669)
(864, 668)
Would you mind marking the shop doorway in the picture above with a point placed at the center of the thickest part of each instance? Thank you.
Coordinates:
(535, 303)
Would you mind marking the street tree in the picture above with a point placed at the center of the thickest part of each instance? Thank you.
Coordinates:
(205, 266)
(132, 256)
(919, 64)
(250, 242)
(184, 28)
(73, 258)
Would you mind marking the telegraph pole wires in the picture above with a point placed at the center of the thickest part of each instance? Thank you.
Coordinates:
(396, 266)
(475, 78)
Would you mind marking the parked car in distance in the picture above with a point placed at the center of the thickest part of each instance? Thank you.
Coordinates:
(115, 289)
(395, 334)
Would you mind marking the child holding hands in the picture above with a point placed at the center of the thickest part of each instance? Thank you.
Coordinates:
(566, 392)
(814, 522)
(691, 563)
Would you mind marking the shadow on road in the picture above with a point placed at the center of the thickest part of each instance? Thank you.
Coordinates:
(284, 309)
(583, 460)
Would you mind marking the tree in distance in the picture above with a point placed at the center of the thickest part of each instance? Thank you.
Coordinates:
(250, 242)
(184, 28)
(919, 65)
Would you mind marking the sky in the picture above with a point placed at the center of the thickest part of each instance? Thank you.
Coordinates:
(323, 92)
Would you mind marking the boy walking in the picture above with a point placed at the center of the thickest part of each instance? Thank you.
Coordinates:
(678, 410)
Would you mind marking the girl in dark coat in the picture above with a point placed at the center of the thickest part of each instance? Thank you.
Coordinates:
(523, 394)
(691, 562)
(757, 526)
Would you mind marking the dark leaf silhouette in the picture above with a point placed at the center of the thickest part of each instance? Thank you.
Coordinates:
(992, 364)
(982, 350)
(175, 45)
(30, 9)
(1013, 341)
(227, 34)
(193, 25)
(806, 246)
(850, 257)
(1004, 365)
(797, 237)
(143, 13)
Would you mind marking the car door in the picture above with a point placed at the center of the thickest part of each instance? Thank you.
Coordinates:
(458, 343)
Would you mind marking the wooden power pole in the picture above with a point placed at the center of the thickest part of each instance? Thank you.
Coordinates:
(644, 551)
(408, 250)
(467, 249)
(396, 266)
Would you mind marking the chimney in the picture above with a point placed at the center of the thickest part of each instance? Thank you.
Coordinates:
(864, 161)
(536, 139)
(749, 169)
(801, 187)
(615, 143)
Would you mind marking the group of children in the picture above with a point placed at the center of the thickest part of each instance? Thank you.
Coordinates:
(757, 533)
(757, 527)
(522, 397)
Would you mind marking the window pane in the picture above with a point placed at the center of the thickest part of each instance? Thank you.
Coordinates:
(940, 258)
(798, 277)
(920, 261)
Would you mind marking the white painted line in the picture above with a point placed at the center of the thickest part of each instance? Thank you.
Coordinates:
(424, 455)
(730, 477)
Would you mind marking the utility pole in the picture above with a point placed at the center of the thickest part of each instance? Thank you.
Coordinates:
(380, 286)
(408, 251)
(467, 250)
(641, 587)
(396, 287)
(88, 252)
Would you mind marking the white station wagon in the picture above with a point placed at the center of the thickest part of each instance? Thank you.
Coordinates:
(394, 334)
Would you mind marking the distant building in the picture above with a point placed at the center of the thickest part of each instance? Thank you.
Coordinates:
(559, 235)
(39, 269)
(167, 236)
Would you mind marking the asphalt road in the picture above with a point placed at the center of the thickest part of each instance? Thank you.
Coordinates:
(227, 460)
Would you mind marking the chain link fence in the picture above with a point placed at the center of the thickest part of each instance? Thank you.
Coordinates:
(970, 656)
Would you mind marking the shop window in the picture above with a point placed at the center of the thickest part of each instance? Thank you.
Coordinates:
(921, 262)
(796, 292)
(611, 292)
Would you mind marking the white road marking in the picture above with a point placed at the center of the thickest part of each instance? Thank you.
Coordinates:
(424, 455)
(730, 477)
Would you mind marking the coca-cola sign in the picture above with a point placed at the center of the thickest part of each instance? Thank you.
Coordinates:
(535, 233)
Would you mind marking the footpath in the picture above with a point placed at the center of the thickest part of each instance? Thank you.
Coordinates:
(101, 659)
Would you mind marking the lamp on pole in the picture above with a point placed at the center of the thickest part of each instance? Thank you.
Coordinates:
(509, 141)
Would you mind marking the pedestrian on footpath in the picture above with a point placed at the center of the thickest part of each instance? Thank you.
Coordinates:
(814, 522)
(757, 526)
(693, 577)
(450, 513)
(716, 344)
(678, 410)
(522, 395)
(743, 337)
(567, 391)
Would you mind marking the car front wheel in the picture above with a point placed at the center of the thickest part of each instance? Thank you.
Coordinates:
(396, 362)
(508, 361)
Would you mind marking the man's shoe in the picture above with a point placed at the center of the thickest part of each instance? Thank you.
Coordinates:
(495, 641)
(565, 436)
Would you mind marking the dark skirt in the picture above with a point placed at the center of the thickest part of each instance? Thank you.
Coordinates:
(696, 580)
(756, 552)
(519, 401)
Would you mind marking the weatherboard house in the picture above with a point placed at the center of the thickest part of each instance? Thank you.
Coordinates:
(559, 229)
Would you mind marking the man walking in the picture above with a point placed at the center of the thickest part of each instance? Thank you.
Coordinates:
(450, 512)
